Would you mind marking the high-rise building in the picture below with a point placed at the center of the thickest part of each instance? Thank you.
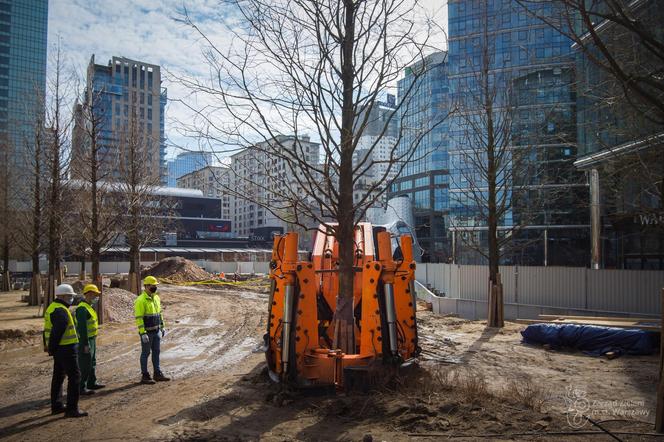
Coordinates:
(185, 163)
(424, 105)
(374, 150)
(214, 182)
(530, 78)
(265, 185)
(128, 98)
(23, 33)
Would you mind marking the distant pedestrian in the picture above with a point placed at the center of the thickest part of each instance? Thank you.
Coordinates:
(87, 326)
(61, 342)
(150, 322)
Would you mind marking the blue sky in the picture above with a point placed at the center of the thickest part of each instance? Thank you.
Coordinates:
(146, 30)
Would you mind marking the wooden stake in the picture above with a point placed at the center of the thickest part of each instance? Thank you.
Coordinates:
(490, 305)
(659, 414)
(100, 305)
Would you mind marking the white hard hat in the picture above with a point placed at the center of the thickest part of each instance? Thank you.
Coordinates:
(64, 289)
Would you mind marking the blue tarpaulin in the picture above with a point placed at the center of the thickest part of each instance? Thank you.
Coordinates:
(592, 339)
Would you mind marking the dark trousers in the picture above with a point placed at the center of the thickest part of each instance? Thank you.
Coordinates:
(88, 363)
(152, 346)
(65, 363)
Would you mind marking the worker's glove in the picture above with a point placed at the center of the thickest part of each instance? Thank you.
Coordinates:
(144, 338)
(163, 332)
(86, 349)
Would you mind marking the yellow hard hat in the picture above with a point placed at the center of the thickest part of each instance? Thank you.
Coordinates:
(150, 280)
(91, 288)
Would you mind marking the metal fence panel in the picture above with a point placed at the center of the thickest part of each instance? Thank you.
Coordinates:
(635, 291)
(421, 273)
(507, 276)
(473, 282)
(552, 286)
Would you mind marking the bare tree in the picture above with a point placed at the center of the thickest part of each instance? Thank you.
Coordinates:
(298, 67)
(143, 218)
(6, 212)
(98, 213)
(507, 173)
(30, 196)
(60, 88)
(486, 166)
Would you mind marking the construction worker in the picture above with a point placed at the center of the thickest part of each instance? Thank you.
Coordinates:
(87, 327)
(150, 322)
(61, 342)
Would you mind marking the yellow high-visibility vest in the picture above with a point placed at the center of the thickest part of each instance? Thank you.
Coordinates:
(69, 336)
(147, 312)
(93, 323)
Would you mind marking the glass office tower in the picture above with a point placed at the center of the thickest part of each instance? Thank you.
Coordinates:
(530, 73)
(23, 33)
(126, 92)
(424, 129)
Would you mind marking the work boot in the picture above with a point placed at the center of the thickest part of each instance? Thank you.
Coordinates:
(75, 413)
(97, 386)
(159, 377)
(58, 409)
(146, 379)
(86, 392)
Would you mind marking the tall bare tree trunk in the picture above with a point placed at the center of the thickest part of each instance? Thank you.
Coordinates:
(81, 273)
(6, 282)
(495, 288)
(344, 331)
(95, 244)
(4, 188)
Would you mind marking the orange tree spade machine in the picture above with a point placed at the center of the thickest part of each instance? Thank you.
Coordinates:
(300, 339)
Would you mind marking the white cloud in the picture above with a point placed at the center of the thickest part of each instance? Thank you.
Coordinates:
(147, 30)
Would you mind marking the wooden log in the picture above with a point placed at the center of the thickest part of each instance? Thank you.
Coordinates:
(491, 306)
(659, 413)
(601, 318)
(100, 305)
(500, 305)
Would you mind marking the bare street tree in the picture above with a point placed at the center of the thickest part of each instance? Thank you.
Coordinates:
(141, 209)
(509, 176)
(60, 89)
(98, 213)
(301, 67)
(30, 198)
(6, 211)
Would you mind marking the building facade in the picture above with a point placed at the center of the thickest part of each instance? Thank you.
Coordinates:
(375, 148)
(621, 143)
(23, 47)
(214, 182)
(424, 105)
(261, 181)
(529, 73)
(129, 105)
(185, 163)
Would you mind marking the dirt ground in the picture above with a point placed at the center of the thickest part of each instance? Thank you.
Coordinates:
(471, 383)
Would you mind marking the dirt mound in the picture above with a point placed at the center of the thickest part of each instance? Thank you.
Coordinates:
(176, 269)
(17, 334)
(118, 305)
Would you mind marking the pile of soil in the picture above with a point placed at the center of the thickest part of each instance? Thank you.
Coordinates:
(118, 305)
(176, 269)
(17, 334)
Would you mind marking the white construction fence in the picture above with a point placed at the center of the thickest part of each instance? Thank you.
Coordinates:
(530, 291)
(113, 267)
